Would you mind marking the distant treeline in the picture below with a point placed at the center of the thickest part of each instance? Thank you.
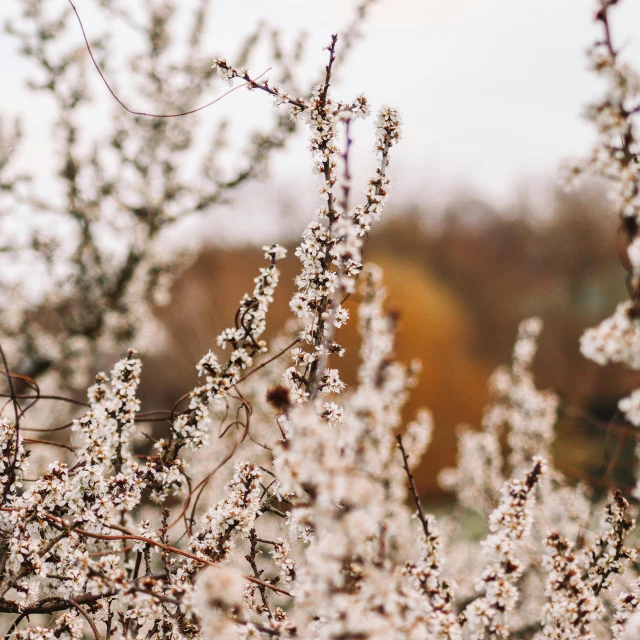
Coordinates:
(460, 291)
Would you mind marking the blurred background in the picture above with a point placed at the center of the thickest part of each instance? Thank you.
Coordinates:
(477, 236)
(460, 289)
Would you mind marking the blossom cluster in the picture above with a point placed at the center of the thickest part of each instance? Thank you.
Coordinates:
(331, 252)
(190, 429)
(508, 524)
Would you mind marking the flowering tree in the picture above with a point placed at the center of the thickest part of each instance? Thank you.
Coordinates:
(277, 502)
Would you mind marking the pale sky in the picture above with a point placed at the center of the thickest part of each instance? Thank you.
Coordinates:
(491, 91)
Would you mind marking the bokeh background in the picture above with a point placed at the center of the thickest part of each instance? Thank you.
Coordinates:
(477, 235)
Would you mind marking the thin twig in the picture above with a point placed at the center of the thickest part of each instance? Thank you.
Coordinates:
(143, 113)
(412, 487)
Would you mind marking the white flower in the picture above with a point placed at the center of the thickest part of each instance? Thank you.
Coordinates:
(333, 413)
(630, 406)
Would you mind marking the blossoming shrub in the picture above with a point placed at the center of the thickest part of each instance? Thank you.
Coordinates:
(279, 503)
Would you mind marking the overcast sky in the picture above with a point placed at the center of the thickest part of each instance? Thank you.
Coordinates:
(491, 91)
